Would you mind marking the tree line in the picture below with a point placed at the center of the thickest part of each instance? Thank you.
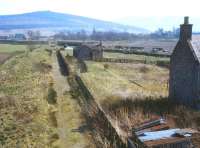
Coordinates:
(116, 36)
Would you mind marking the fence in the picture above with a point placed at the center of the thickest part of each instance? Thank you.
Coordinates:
(160, 63)
(93, 111)
(100, 116)
(137, 52)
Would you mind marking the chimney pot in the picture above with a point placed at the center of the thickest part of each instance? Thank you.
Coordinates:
(186, 20)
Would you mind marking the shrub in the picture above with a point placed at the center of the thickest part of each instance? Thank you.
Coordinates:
(51, 98)
(106, 66)
(144, 69)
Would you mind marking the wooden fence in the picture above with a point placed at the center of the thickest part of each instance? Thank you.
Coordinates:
(137, 52)
(93, 112)
(100, 116)
(117, 60)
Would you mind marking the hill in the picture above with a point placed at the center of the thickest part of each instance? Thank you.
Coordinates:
(55, 21)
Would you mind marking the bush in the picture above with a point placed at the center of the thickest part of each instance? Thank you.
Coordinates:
(51, 98)
(144, 69)
(165, 64)
(106, 66)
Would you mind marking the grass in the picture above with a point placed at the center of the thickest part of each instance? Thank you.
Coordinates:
(70, 119)
(126, 80)
(132, 112)
(9, 48)
(117, 82)
(25, 115)
(134, 93)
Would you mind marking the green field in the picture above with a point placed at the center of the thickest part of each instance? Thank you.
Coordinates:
(11, 48)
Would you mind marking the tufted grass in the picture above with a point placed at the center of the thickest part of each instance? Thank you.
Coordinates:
(24, 110)
(125, 80)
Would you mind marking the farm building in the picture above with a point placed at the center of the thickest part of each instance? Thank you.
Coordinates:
(184, 83)
(88, 52)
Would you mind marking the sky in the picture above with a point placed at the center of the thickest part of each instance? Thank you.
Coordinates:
(148, 14)
(105, 9)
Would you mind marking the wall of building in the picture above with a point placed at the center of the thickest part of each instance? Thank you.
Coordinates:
(82, 53)
(183, 75)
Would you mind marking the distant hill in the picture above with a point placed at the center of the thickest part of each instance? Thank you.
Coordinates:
(55, 21)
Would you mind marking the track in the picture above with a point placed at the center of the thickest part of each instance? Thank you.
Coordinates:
(71, 130)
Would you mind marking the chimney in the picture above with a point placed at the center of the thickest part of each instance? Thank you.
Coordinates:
(186, 30)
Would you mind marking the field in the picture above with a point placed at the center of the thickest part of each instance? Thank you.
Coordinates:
(7, 51)
(4, 57)
(148, 59)
(8, 48)
(36, 107)
(125, 80)
(133, 93)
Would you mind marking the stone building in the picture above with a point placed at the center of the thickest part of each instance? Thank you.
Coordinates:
(184, 82)
(88, 52)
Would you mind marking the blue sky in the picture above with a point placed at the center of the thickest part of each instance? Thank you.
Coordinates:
(149, 14)
(105, 9)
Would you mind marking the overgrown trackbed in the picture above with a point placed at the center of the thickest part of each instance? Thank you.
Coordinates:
(70, 121)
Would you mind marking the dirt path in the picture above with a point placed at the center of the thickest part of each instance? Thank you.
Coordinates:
(71, 125)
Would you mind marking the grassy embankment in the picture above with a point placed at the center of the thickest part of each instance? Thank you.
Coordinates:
(26, 118)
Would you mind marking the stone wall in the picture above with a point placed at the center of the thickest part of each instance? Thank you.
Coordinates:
(183, 75)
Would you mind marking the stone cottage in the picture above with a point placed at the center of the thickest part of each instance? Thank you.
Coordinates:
(184, 82)
(88, 52)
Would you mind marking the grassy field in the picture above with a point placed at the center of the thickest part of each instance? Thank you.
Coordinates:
(125, 80)
(8, 48)
(25, 112)
(148, 59)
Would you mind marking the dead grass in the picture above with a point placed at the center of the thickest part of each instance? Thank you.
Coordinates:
(134, 93)
(132, 112)
(125, 80)
(24, 110)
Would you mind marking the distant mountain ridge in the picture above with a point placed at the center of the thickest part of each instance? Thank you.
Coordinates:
(53, 20)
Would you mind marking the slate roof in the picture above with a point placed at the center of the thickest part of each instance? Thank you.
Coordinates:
(195, 42)
(92, 47)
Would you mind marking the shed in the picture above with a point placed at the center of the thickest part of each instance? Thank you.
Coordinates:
(184, 82)
(88, 52)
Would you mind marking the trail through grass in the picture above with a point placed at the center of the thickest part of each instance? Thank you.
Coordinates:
(71, 123)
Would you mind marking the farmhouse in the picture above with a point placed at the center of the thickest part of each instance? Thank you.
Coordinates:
(88, 52)
(184, 83)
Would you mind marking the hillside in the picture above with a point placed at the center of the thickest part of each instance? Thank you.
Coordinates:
(56, 21)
